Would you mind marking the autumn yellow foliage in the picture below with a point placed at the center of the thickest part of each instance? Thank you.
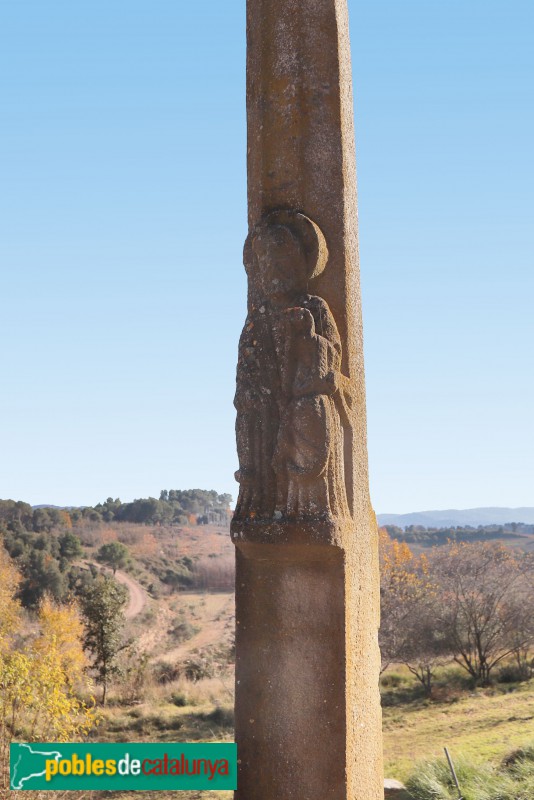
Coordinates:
(401, 570)
(9, 607)
(43, 680)
(405, 588)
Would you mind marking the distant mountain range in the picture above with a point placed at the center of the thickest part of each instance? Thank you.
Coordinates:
(442, 519)
(453, 517)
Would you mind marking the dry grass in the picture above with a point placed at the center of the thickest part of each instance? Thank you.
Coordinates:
(206, 692)
(178, 711)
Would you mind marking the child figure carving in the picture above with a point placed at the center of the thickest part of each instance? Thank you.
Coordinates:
(296, 342)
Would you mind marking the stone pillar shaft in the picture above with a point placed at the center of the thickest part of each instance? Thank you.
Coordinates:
(307, 591)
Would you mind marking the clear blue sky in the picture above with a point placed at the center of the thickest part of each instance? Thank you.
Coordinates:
(122, 218)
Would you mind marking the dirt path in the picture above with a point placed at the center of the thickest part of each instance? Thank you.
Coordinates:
(138, 596)
(216, 612)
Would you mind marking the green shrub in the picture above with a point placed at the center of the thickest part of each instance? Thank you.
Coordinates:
(455, 678)
(197, 667)
(221, 716)
(182, 630)
(391, 680)
(513, 673)
(163, 672)
(179, 699)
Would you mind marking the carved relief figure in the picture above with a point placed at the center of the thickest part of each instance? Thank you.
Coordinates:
(289, 431)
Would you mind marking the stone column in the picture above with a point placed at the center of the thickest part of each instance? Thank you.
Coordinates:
(307, 589)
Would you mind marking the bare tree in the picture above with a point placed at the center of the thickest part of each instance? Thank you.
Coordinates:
(423, 647)
(486, 604)
(409, 600)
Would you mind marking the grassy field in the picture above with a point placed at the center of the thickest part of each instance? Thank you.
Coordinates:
(481, 725)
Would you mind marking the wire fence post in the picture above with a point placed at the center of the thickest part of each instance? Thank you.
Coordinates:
(453, 772)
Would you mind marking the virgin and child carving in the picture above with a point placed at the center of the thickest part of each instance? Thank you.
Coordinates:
(288, 399)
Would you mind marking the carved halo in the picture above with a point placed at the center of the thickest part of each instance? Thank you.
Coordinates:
(303, 228)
